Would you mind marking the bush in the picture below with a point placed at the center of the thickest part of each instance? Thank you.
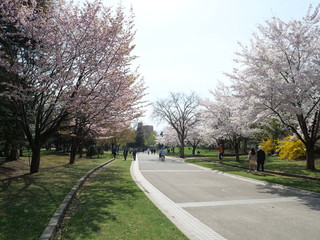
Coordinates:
(291, 149)
(269, 145)
(100, 151)
(91, 151)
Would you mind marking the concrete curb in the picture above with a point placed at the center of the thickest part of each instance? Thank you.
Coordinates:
(55, 222)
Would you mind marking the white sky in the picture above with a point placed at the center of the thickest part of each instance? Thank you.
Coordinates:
(187, 45)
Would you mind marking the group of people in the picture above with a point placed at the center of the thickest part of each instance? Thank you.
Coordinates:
(134, 154)
(162, 154)
(256, 159)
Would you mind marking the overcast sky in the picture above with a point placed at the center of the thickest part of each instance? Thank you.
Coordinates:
(187, 45)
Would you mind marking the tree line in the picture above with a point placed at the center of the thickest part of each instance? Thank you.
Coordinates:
(65, 69)
(275, 85)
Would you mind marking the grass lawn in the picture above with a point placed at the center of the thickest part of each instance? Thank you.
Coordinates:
(28, 202)
(271, 164)
(278, 165)
(111, 206)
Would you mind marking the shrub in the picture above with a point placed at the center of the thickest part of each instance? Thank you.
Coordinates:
(291, 149)
(269, 145)
(100, 151)
(91, 151)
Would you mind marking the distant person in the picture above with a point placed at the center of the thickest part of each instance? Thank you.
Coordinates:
(125, 154)
(261, 157)
(252, 158)
(134, 154)
(220, 150)
(162, 155)
(114, 153)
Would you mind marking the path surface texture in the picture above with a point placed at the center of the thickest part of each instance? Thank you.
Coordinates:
(207, 204)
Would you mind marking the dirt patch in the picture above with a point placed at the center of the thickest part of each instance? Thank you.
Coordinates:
(9, 169)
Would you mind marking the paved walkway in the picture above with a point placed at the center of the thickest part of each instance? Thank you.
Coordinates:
(207, 204)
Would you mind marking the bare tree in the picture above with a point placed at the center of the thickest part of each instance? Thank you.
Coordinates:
(181, 111)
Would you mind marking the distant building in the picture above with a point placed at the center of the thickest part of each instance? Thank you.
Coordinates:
(147, 129)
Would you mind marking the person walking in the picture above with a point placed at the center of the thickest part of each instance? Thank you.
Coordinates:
(252, 158)
(125, 154)
(220, 150)
(261, 157)
(134, 154)
(114, 153)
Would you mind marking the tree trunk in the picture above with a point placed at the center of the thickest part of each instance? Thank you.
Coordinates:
(245, 145)
(182, 150)
(13, 154)
(80, 150)
(35, 160)
(193, 150)
(73, 151)
(310, 156)
(236, 149)
(13, 151)
(21, 152)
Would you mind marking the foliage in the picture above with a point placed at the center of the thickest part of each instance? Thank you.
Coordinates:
(228, 118)
(92, 151)
(168, 137)
(100, 150)
(139, 140)
(150, 140)
(55, 76)
(291, 149)
(278, 74)
(272, 128)
(269, 145)
(181, 112)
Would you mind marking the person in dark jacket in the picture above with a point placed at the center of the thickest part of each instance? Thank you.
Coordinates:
(261, 157)
(134, 154)
(125, 154)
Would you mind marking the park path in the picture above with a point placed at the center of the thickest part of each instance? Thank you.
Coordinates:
(207, 204)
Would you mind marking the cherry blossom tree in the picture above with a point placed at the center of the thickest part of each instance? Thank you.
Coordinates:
(228, 117)
(196, 135)
(168, 138)
(280, 71)
(117, 135)
(74, 60)
(181, 112)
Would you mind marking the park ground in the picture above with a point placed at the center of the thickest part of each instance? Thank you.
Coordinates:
(110, 205)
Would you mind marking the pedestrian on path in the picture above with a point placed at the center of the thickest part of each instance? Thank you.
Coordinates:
(162, 155)
(261, 157)
(114, 153)
(252, 158)
(125, 154)
(134, 154)
(220, 150)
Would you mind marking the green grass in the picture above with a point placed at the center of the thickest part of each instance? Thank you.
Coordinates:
(28, 202)
(286, 181)
(111, 206)
(276, 164)
(271, 164)
(188, 152)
